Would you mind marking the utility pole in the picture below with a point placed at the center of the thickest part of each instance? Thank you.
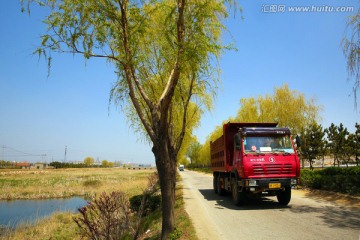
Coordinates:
(3, 151)
(65, 154)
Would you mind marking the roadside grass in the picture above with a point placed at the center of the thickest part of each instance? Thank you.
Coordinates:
(60, 225)
(184, 230)
(200, 169)
(60, 183)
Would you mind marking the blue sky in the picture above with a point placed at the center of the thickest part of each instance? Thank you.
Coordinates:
(70, 109)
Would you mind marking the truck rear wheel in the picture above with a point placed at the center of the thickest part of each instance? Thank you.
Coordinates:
(238, 197)
(284, 196)
(220, 190)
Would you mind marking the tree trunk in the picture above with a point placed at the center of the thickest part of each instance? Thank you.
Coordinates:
(166, 166)
(302, 163)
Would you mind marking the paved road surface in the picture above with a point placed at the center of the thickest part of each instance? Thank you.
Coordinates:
(215, 217)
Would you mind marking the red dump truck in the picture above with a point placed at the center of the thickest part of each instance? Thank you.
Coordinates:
(255, 159)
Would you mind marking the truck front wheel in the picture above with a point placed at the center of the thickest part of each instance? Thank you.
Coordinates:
(284, 196)
(238, 197)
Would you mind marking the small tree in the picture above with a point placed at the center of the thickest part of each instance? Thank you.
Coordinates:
(357, 143)
(349, 148)
(106, 163)
(193, 152)
(337, 136)
(312, 142)
(89, 161)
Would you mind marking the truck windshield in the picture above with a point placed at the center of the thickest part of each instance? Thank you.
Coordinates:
(258, 144)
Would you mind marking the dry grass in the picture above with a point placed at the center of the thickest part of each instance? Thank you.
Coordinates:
(58, 226)
(57, 183)
(27, 184)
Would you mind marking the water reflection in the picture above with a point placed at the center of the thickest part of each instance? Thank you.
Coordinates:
(14, 212)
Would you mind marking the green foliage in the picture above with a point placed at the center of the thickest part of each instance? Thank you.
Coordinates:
(199, 169)
(312, 142)
(152, 203)
(289, 108)
(338, 142)
(176, 234)
(92, 183)
(344, 180)
(106, 163)
(67, 165)
(351, 50)
(7, 164)
(193, 152)
(89, 161)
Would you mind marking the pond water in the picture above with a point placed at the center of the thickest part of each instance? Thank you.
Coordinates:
(14, 212)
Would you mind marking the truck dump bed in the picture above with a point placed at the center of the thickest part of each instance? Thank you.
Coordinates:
(222, 149)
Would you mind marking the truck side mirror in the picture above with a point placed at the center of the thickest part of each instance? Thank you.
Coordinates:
(298, 141)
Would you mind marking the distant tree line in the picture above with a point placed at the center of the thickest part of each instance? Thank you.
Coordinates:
(88, 162)
(7, 164)
(68, 165)
(334, 141)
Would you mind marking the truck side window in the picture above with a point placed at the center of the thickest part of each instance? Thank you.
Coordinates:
(237, 142)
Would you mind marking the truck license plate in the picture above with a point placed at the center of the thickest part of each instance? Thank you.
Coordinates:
(274, 185)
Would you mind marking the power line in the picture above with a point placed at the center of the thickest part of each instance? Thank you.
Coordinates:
(19, 151)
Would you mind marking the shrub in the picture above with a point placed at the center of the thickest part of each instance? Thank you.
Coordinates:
(344, 180)
(151, 203)
(92, 183)
(176, 234)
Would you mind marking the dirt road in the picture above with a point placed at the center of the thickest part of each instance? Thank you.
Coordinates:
(306, 217)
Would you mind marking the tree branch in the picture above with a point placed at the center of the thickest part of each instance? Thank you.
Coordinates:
(128, 52)
(184, 120)
(168, 92)
(129, 74)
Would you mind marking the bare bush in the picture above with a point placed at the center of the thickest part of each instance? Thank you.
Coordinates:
(106, 217)
(109, 216)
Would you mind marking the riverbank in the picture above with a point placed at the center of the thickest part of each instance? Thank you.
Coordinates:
(29, 184)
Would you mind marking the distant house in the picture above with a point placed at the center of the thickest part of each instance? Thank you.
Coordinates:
(23, 165)
(40, 165)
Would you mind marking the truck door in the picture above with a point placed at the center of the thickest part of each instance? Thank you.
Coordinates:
(237, 150)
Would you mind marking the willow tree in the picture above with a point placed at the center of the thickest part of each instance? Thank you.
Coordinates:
(165, 54)
(289, 108)
(351, 50)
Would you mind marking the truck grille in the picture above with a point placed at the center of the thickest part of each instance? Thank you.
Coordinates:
(267, 169)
